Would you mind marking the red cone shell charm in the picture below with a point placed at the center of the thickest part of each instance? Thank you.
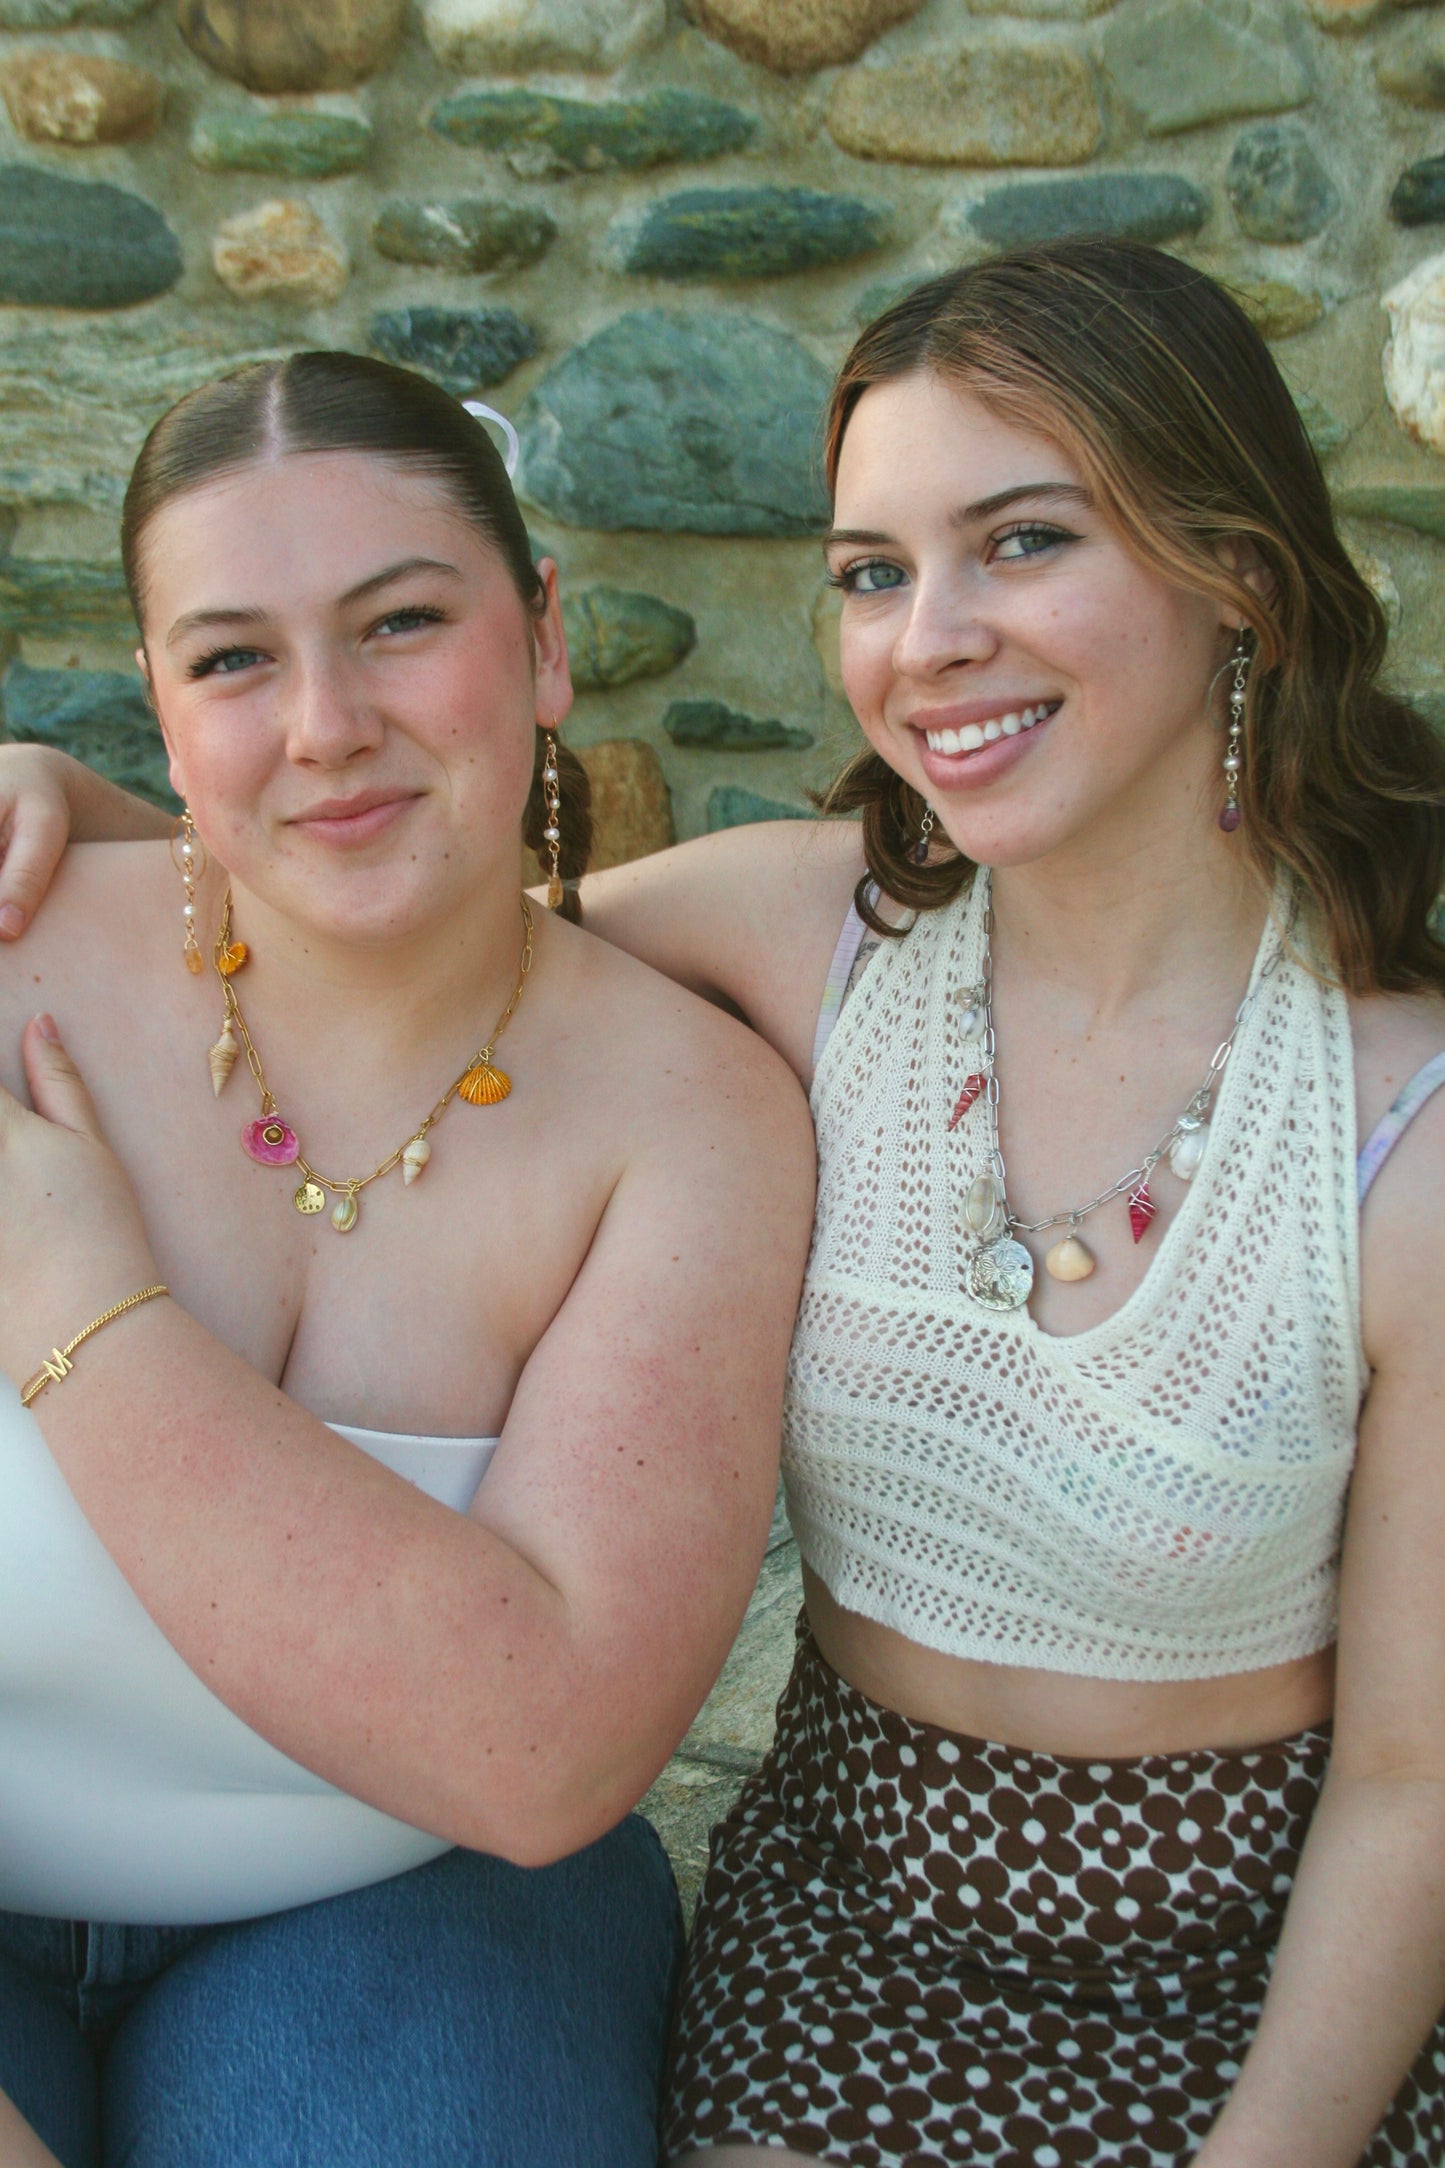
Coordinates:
(972, 1089)
(1141, 1210)
(270, 1141)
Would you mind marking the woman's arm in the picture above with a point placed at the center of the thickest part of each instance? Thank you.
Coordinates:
(513, 1679)
(19, 2146)
(1360, 1974)
(46, 800)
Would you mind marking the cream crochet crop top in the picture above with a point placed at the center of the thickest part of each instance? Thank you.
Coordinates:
(1158, 1497)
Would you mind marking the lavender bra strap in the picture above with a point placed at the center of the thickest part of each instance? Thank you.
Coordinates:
(1387, 1132)
(840, 970)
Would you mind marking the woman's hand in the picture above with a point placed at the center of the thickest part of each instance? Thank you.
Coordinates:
(72, 1240)
(47, 800)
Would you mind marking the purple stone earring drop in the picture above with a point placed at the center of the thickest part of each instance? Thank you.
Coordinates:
(1229, 816)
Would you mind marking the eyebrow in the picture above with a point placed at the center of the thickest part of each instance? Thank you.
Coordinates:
(985, 508)
(195, 620)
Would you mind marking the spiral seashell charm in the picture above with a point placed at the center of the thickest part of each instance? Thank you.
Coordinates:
(222, 1058)
(413, 1159)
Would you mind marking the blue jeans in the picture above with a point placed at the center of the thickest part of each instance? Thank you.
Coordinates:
(468, 2014)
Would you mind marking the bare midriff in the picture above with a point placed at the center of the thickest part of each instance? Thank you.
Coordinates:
(1058, 1712)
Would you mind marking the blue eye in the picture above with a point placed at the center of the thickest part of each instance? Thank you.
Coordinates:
(224, 662)
(1029, 541)
(869, 576)
(410, 618)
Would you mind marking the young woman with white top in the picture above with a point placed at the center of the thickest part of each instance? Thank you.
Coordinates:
(1106, 1815)
(394, 1294)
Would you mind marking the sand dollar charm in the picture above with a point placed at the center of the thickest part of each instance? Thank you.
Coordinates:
(1000, 1275)
(309, 1198)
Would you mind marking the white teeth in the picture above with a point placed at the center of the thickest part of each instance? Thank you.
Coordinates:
(970, 738)
(1030, 716)
(1012, 725)
(942, 741)
(992, 729)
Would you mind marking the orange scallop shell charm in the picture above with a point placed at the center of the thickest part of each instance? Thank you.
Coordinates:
(230, 958)
(483, 1086)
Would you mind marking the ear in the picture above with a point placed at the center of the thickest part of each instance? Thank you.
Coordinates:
(554, 675)
(1240, 557)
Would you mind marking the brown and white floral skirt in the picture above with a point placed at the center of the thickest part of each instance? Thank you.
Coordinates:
(917, 1948)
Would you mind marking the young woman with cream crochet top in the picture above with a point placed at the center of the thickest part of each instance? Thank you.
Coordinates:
(1106, 1816)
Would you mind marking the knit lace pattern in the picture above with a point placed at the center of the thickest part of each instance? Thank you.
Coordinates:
(1158, 1497)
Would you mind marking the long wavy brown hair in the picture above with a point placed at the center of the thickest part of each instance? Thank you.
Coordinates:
(335, 402)
(1153, 378)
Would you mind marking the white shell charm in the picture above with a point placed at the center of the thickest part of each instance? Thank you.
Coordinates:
(971, 1023)
(343, 1213)
(222, 1058)
(413, 1159)
(1187, 1150)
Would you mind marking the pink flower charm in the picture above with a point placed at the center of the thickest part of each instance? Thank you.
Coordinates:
(972, 1087)
(270, 1141)
(1141, 1210)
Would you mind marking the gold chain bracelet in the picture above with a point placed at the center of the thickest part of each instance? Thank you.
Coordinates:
(60, 1365)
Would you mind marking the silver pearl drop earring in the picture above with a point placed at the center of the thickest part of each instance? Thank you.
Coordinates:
(1229, 817)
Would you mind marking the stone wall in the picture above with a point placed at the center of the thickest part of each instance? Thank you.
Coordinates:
(647, 229)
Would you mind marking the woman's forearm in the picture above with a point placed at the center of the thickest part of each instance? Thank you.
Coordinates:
(1357, 1984)
(101, 812)
(19, 2146)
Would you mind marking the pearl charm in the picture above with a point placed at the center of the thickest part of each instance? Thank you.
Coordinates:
(1070, 1259)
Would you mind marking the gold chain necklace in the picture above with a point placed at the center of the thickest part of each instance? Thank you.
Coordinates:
(272, 1142)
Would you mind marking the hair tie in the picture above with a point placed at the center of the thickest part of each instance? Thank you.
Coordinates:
(485, 413)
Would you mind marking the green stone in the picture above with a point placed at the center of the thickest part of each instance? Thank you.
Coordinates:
(614, 636)
(752, 233)
(1277, 187)
(679, 422)
(80, 244)
(300, 146)
(711, 723)
(1122, 206)
(730, 806)
(1324, 429)
(466, 350)
(64, 14)
(61, 595)
(1181, 63)
(98, 716)
(544, 135)
(74, 410)
(1420, 505)
(463, 233)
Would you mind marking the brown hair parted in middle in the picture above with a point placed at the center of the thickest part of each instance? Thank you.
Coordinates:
(335, 402)
(1158, 385)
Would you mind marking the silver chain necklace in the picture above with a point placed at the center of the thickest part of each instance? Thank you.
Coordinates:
(1000, 1272)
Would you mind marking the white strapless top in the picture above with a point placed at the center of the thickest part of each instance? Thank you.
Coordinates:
(128, 1792)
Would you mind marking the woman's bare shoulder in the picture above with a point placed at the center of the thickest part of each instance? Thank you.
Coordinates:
(1394, 1036)
(103, 917)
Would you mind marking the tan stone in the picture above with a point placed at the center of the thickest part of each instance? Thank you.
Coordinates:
(1276, 309)
(631, 808)
(481, 37)
(977, 104)
(827, 622)
(279, 251)
(1347, 15)
(793, 35)
(56, 97)
(1412, 67)
(1062, 11)
(278, 45)
(1414, 357)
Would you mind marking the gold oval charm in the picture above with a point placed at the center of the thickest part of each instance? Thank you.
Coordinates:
(483, 1086)
(310, 1197)
(343, 1214)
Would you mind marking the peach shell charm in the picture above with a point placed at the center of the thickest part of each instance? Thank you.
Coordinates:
(484, 1086)
(1070, 1259)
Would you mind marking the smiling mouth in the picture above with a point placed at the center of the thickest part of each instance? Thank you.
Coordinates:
(974, 736)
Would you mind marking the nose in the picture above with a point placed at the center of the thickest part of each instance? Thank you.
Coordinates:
(942, 629)
(328, 718)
